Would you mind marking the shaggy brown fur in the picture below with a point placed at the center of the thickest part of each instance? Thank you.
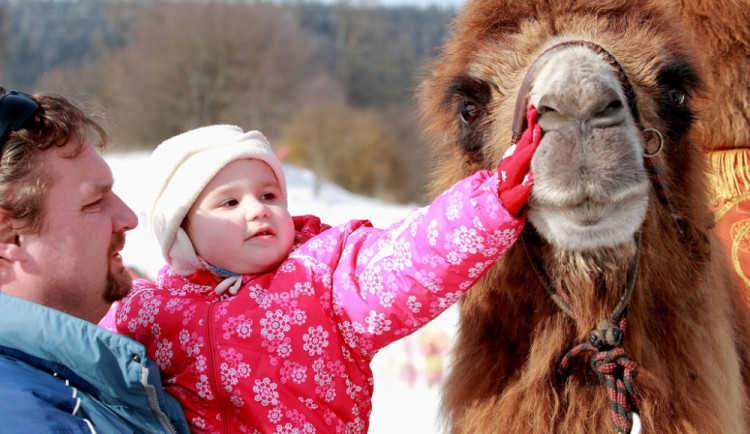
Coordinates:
(688, 323)
(721, 31)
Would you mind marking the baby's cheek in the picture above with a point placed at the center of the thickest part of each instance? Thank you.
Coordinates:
(289, 233)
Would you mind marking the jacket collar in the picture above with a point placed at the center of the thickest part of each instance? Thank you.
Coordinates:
(95, 360)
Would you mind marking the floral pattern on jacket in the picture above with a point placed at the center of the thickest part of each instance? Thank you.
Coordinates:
(291, 351)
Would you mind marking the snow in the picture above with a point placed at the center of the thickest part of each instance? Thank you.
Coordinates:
(407, 372)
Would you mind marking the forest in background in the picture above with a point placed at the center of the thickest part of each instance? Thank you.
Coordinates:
(331, 84)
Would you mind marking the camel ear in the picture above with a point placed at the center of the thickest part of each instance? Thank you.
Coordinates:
(10, 240)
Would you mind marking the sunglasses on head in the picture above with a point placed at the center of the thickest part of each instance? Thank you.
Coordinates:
(15, 109)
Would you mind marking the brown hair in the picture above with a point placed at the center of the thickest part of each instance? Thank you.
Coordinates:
(23, 179)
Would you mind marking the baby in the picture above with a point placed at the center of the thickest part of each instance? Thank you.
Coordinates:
(263, 322)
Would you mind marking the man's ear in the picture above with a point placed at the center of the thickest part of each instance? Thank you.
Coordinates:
(10, 240)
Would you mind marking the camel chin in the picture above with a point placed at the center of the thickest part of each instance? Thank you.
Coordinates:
(589, 227)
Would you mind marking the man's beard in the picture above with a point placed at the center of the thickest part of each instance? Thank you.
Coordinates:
(118, 284)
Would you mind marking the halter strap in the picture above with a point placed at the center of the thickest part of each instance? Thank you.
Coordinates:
(519, 118)
(532, 246)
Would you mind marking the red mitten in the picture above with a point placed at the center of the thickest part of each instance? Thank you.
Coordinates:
(514, 177)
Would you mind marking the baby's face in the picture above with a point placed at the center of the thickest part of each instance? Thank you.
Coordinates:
(240, 221)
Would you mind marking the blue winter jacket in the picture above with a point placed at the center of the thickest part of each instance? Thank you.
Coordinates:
(59, 373)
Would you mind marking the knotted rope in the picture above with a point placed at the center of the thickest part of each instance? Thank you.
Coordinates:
(615, 369)
(608, 358)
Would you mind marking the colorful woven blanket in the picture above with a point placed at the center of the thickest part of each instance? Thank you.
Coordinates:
(731, 184)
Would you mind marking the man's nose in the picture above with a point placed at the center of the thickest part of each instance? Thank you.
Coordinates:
(124, 217)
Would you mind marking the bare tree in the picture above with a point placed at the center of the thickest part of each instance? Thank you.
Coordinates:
(196, 63)
(41, 35)
(176, 65)
(353, 148)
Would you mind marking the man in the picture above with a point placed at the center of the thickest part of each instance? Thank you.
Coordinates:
(61, 228)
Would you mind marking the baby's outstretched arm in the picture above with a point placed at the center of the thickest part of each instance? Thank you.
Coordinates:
(390, 282)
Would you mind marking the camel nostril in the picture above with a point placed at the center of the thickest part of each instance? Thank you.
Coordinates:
(547, 110)
(551, 119)
(548, 104)
(610, 108)
(608, 112)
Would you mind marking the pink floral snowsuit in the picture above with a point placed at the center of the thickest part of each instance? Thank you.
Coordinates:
(292, 349)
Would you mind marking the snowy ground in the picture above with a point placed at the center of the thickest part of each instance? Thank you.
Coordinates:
(407, 372)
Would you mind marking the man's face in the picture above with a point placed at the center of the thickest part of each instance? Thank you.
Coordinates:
(73, 261)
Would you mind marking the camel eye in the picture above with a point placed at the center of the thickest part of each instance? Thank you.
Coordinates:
(470, 113)
(676, 98)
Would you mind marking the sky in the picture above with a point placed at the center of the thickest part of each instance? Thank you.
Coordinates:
(407, 372)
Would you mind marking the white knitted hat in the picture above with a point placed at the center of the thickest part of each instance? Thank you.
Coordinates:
(181, 167)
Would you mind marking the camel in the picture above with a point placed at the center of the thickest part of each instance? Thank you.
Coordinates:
(617, 311)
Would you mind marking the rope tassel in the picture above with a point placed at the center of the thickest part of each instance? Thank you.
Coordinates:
(617, 371)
